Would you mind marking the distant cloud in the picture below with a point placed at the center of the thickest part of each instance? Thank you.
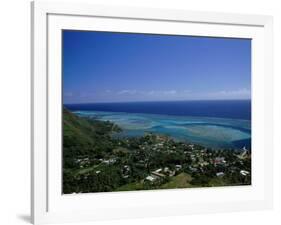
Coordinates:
(241, 92)
(170, 92)
(232, 94)
(130, 92)
(150, 92)
(108, 95)
(159, 92)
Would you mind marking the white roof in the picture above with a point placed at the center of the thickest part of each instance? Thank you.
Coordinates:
(220, 174)
(244, 172)
(150, 178)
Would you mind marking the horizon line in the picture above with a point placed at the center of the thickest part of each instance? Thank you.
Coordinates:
(76, 103)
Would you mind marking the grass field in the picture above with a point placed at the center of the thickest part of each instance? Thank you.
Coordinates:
(180, 181)
(131, 187)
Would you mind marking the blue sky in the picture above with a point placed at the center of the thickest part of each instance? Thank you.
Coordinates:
(123, 67)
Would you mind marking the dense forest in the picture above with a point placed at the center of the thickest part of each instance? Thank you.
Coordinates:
(95, 161)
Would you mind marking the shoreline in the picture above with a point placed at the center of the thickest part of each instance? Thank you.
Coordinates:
(211, 130)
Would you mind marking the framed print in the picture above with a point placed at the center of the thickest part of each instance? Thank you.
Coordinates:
(149, 112)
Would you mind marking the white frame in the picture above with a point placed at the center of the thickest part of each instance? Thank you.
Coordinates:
(48, 18)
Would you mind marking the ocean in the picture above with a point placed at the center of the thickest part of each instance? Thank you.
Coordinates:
(220, 124)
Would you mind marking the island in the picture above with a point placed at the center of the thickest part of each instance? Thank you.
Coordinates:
(96, 160)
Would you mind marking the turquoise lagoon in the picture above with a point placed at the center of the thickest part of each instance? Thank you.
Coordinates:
(219, 133)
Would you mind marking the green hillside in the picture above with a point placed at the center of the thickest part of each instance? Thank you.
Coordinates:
(85, 137)
(84, 142)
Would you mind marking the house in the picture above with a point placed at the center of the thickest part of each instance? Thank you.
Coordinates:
(109, 161)
(220, 174)
(169, 172)
(158, 174)
(158, 170)
(178, 167)
(219, 160)
(126, 167)
(244, 172)
(204, 163)
(150, 178)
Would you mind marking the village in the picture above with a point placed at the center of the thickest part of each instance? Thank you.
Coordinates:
(153, 161)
